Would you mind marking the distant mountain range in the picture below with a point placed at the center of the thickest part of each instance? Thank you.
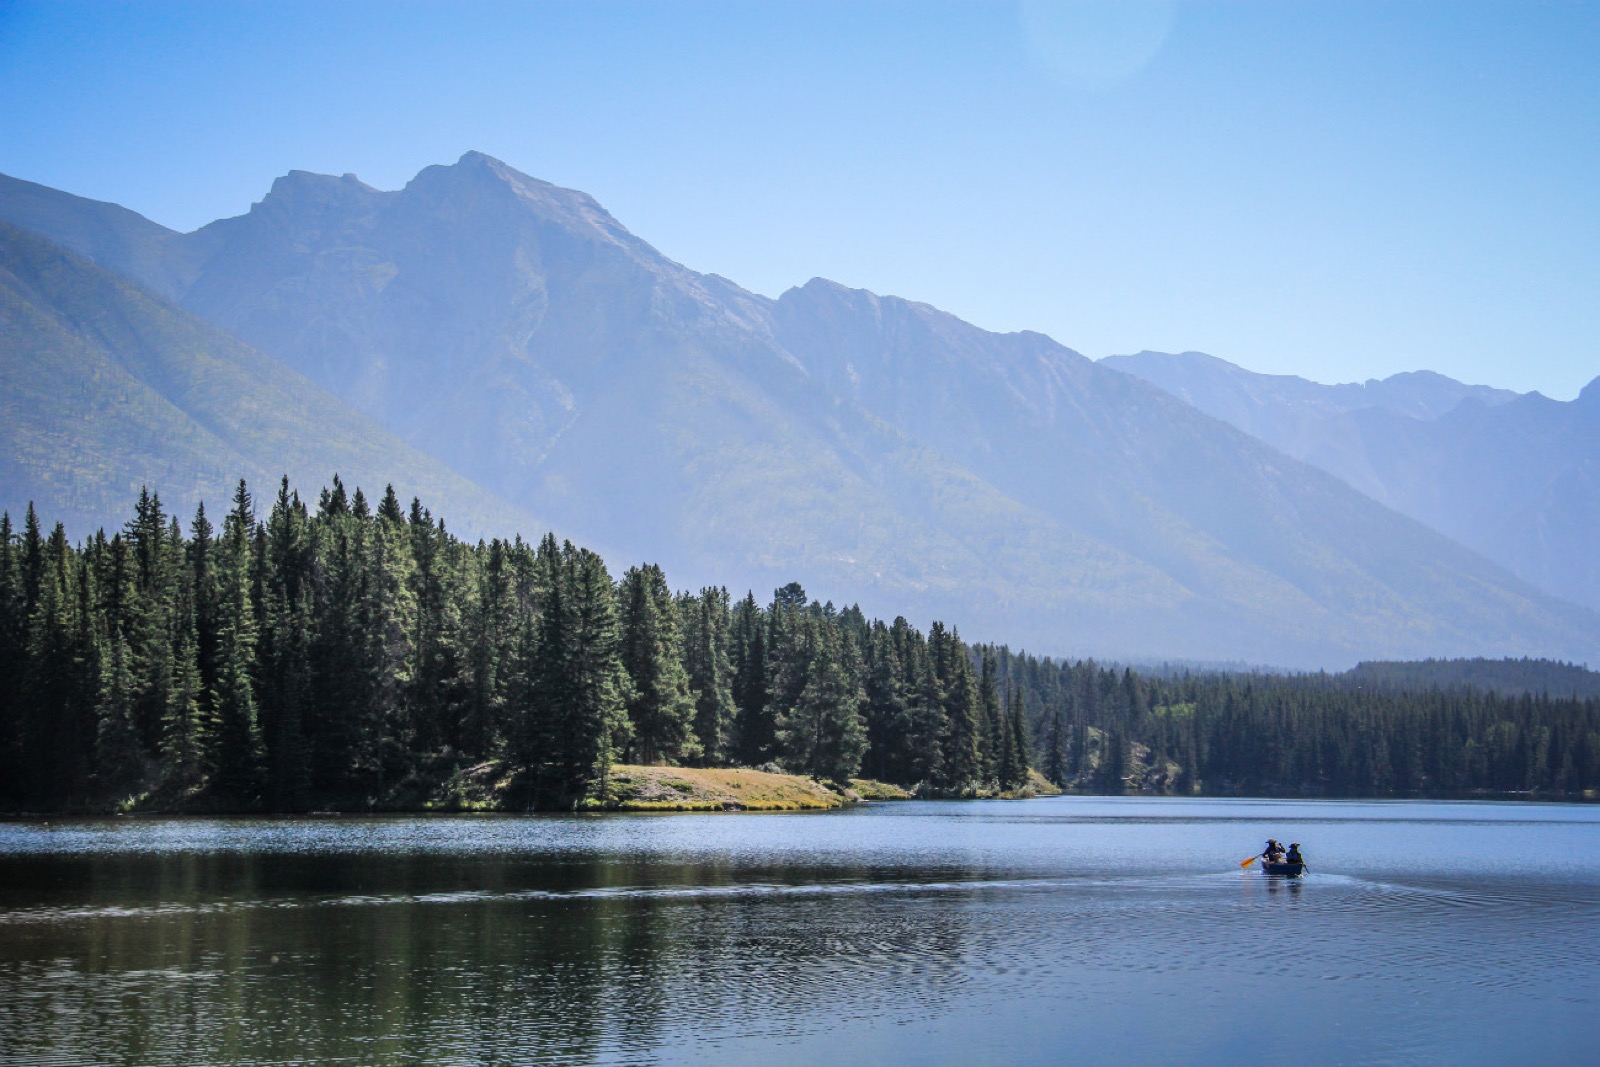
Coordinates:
(873, 448)
(1515, 477)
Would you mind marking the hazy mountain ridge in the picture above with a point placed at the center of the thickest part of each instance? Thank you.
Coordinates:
(1237, 395)
(1515, 477)
(106, 388)
(1233, 521)
(873, 447)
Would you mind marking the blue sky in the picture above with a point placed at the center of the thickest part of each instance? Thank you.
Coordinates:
(1340, 191)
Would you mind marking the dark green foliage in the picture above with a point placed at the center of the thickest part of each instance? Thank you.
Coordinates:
(888, 708)
(355, 658)
(707, 624)
(13, 661)
(659, 705)
(1512, 677)
(960, 745)
(821, 734)
(1260, 734)
(286, 580)
(573, 719)
(753, 738)
(236, 755)
(1016, 750)
(117, 764)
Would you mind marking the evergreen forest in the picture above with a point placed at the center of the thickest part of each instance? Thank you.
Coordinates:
(347, 656)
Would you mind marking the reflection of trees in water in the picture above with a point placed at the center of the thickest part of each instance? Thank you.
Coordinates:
(286, 958)
(781, 962)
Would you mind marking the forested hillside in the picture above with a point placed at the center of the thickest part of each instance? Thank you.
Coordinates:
(354, 656)
(1512, 677)
(1111, 731)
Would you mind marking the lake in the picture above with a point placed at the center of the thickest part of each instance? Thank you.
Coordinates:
(1085, 930)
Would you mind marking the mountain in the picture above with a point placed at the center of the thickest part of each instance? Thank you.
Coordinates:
(1285, 410)
(117, 239)
(1515, 477)
(105, 388)
(874, 448)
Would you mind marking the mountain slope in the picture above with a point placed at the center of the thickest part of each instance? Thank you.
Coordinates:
(873, 448)
(1239, 526)
(119, 240)
(1516, 478)
(105, 388)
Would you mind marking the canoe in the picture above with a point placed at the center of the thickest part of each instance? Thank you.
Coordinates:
(1288, 870)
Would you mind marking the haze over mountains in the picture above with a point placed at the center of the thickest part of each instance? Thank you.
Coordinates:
(105, 388)
(873, 448)
(1515, 477)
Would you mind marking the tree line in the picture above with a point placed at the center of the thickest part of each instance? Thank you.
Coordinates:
(341, 655)
(346, 655)
(1106, 730)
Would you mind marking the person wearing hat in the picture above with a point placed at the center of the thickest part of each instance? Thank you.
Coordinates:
(1273, 853)
(1294, 854)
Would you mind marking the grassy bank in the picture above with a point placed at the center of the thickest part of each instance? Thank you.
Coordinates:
(635, 788)
(493, 786)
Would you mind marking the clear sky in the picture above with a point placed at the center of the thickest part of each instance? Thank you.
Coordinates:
(1338, 190)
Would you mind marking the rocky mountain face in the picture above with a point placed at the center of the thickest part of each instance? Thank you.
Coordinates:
(1514, 477)
(875, 449)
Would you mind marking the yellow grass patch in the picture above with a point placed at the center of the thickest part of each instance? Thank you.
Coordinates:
(634, 788)
(868, 789)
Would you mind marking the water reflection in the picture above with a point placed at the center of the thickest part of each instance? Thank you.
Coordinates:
(408, 958)
(921, 933)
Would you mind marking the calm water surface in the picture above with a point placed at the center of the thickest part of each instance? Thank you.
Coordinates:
(1092, 930)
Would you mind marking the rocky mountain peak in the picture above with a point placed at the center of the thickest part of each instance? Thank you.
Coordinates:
(300, 191)
(477, 180)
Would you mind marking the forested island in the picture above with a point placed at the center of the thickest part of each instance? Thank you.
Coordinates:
(345, 656)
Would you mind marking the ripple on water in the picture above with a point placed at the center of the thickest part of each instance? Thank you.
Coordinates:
(919, 932)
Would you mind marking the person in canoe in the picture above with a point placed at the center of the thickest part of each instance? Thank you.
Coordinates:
(1273, 853)
(1294, 855)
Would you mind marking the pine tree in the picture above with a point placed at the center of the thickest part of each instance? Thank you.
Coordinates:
(118, 769)
(753, 730)
(388, 618)
(285, 650)
(599, 728)
(992, 732)
(184, 735)
(13, 663)
(822, 733)
(961, 763)
(659, 706)
(440, 676)
(707, 620)
(887, 712)
(62, 671)
(926, 706)
(146, 615)
(789, 647)
(237, 755)
(569, 719)
(1019, 746)
(339, 719)
(493, 626)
